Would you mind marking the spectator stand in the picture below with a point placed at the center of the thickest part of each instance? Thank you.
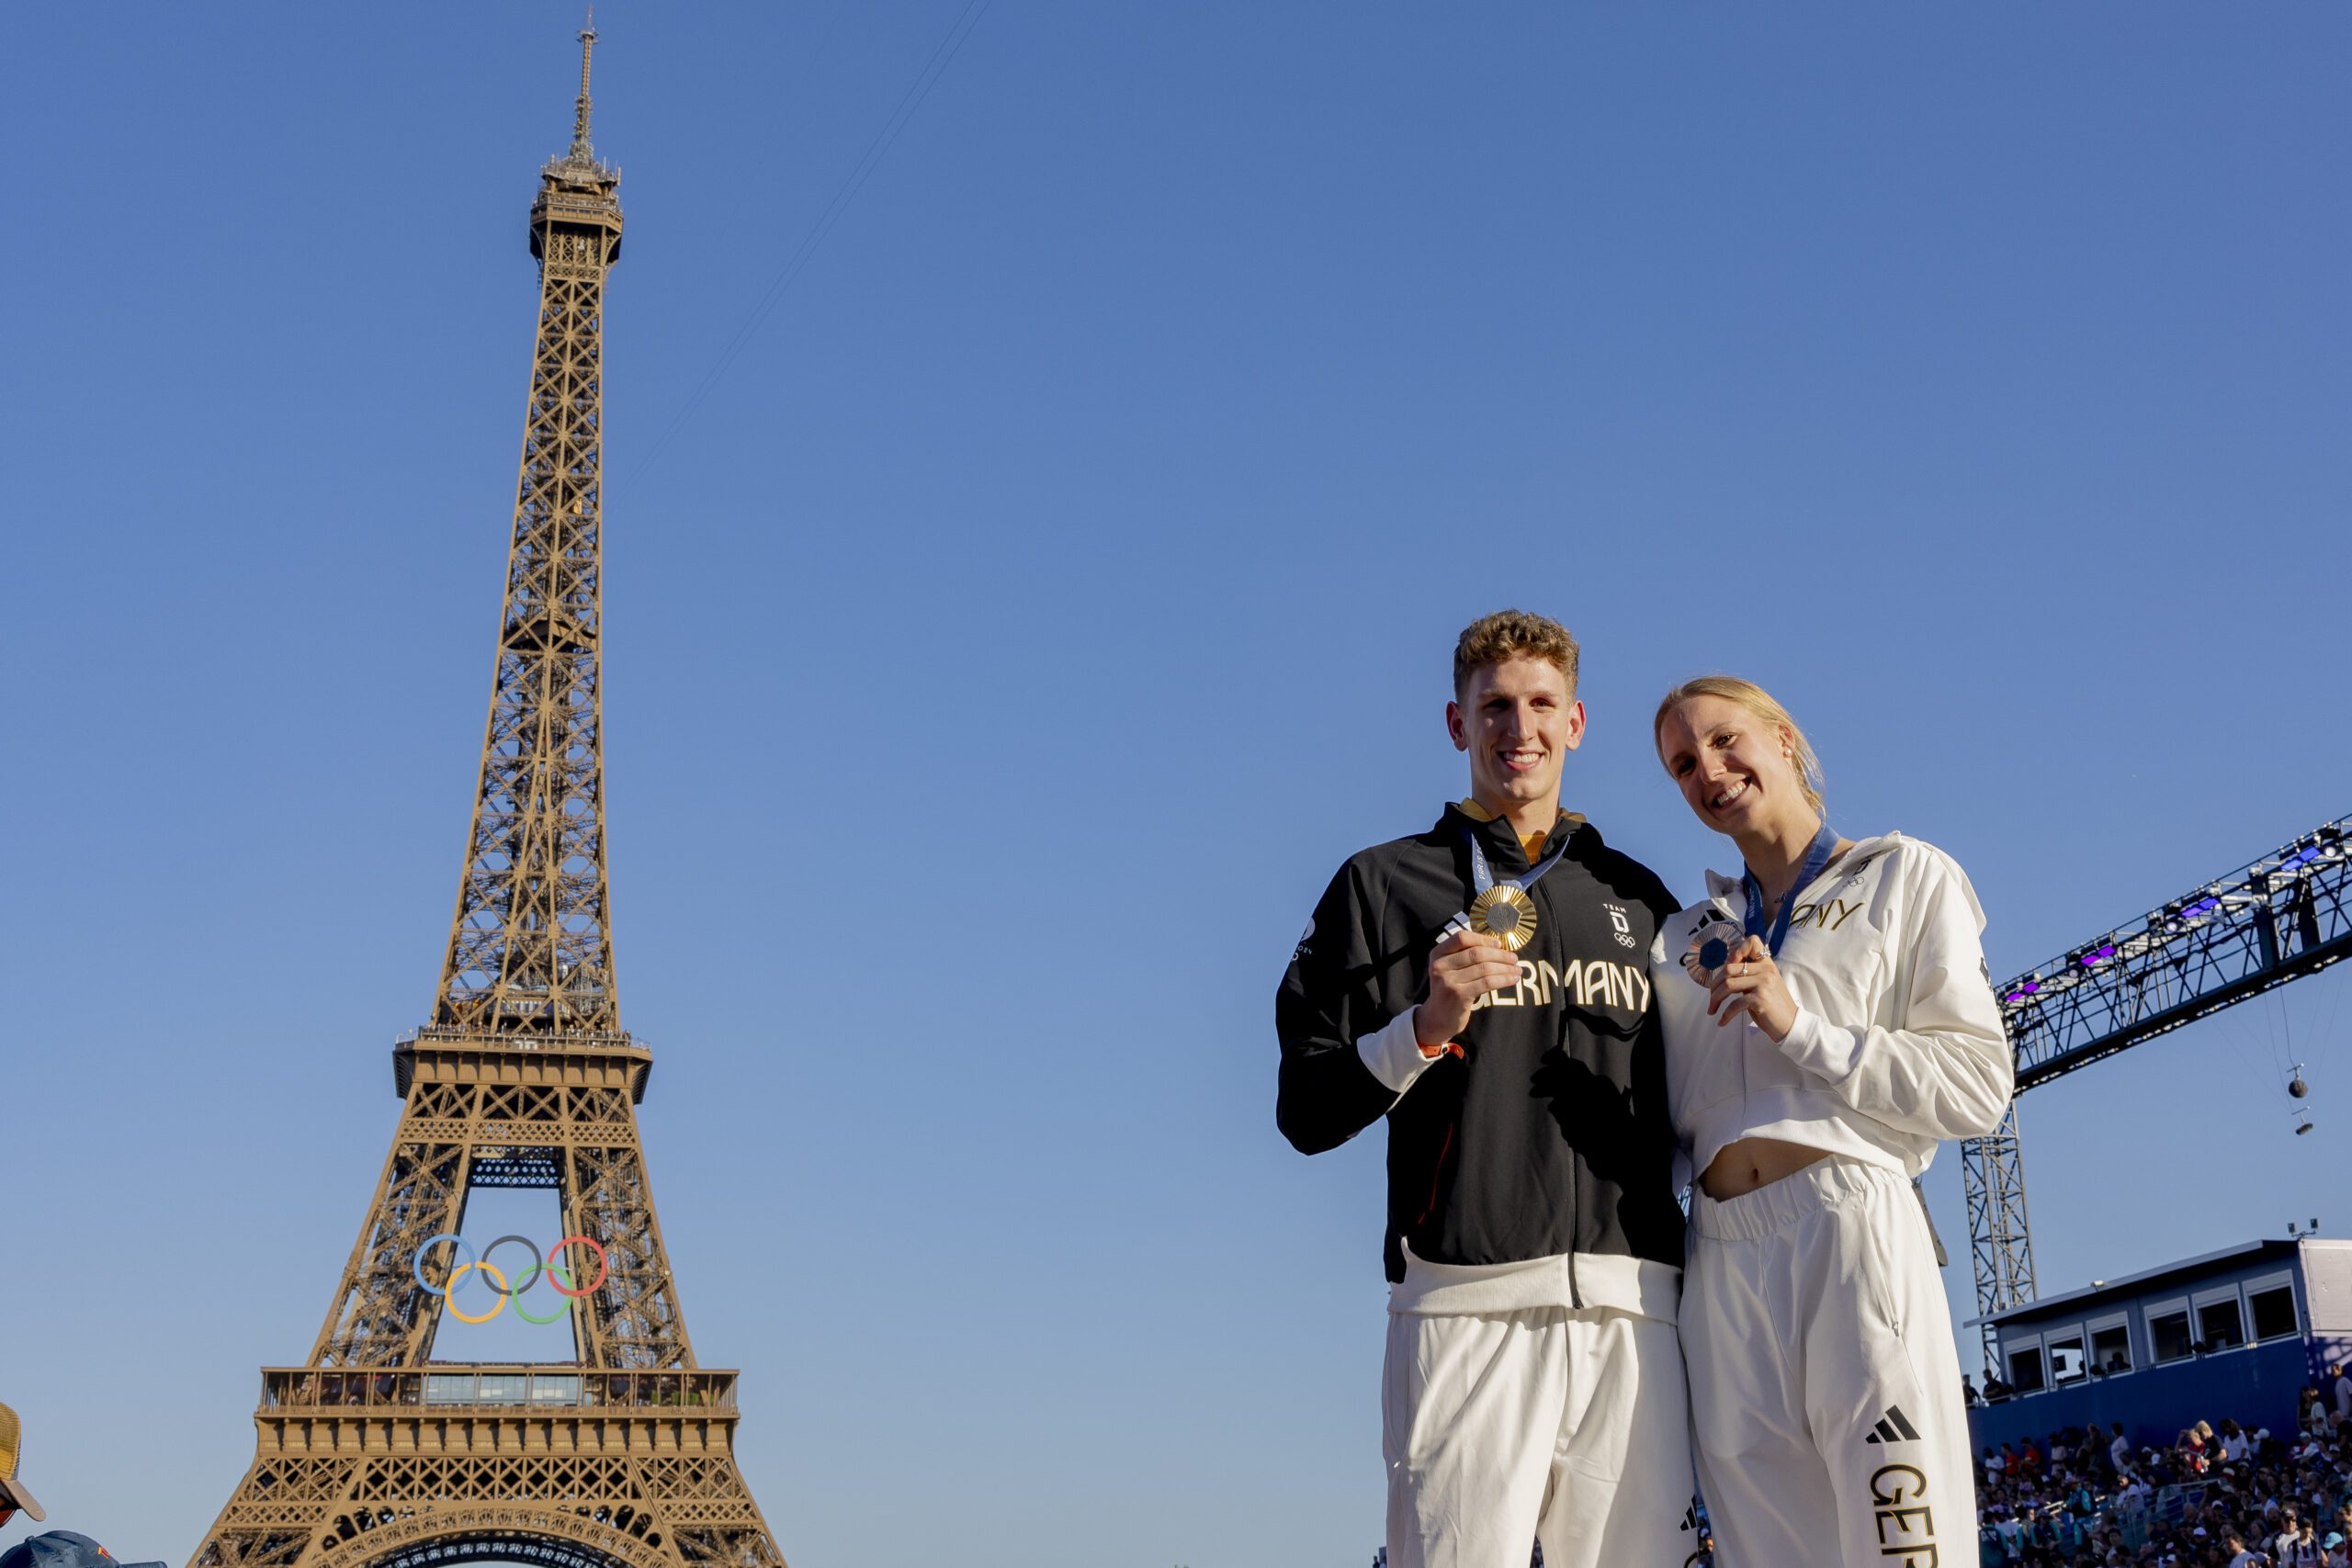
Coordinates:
(2245, 1330)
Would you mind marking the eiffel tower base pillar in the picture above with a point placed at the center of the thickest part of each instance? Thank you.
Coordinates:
(380, 1479)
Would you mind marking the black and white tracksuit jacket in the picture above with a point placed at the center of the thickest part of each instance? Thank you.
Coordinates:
(1548, 1136)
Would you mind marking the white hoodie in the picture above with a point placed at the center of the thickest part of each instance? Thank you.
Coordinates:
(1897, 1042)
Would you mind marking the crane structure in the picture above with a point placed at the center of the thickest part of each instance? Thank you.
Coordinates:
(2279, 919)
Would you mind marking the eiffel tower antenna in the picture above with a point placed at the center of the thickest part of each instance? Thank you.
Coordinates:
(581, 151)
(621, 1453)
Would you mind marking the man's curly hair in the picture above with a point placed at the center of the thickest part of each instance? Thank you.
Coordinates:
(1512, 634)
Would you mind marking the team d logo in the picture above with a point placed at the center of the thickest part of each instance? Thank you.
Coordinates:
(1618, 923)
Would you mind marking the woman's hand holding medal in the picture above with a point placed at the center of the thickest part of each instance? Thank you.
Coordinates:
(1463, 967)
(1745, 978)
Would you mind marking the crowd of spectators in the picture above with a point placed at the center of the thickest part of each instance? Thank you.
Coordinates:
(2216, 1498)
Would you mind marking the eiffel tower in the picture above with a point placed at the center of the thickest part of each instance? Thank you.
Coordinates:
(372, 1455)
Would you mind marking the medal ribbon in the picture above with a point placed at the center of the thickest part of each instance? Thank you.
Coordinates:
(1482, 878)
(1816, 859)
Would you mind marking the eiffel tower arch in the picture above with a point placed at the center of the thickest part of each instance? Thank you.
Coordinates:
(371, 1454)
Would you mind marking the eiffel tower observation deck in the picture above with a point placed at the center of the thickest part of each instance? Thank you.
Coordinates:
(372, 1454)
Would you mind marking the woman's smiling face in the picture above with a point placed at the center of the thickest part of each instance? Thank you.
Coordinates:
(1733, 769)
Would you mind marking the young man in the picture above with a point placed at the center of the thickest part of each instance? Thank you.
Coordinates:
(1482, 984)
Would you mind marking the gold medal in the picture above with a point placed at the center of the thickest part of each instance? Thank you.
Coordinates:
(1504, 912)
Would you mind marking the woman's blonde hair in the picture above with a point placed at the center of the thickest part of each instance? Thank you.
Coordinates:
(1758, 703)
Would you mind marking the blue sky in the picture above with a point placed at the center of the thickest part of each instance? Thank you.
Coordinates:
(1087, 526)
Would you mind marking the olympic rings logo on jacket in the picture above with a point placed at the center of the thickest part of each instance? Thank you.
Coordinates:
(540, 1264)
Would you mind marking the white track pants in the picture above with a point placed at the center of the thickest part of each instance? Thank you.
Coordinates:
(1503, 1428)
(1825, 1389)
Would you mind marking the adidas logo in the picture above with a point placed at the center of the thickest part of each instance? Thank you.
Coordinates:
(1892, 1429)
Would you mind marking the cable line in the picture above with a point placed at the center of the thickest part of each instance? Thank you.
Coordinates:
(941, 57)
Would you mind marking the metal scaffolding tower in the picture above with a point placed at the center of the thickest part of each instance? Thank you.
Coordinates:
(2284, 916)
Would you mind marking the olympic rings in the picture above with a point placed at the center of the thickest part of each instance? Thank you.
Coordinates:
(417, 1263)
(604, 1264)
(559, 1278)
(498, 1302)
(556, 1317)
(501, 1241)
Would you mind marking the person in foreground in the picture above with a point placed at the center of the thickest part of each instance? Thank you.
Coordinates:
(1829, 1019)
(1484, 985)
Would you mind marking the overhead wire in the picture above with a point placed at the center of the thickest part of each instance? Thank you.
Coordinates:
(2322, 1041)
(2239, 1035)
(941, 57)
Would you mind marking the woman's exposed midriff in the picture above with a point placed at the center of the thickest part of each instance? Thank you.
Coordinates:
(1744, 1164)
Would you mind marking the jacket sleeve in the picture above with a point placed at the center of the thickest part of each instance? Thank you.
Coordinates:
(1328, 1016)
(1948, 1072)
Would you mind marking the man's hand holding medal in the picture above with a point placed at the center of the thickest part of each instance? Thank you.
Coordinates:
(1464, 966)
(1477, 951)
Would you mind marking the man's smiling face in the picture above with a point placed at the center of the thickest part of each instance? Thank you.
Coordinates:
(1517, 720)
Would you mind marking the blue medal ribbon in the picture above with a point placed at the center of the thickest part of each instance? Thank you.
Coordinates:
(1482, 878)
(1816, 861)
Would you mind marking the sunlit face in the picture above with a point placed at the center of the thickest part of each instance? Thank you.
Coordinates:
(1518, 721)
(1736, 772)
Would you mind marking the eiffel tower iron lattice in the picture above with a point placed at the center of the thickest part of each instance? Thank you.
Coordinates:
(372, 1455)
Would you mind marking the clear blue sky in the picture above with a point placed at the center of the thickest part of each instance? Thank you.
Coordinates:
(1090, 523)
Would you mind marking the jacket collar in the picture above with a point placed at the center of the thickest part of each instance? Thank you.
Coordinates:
(1730, 892)
(1505, 853)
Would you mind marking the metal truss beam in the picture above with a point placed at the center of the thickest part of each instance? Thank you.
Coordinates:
(2286, 915)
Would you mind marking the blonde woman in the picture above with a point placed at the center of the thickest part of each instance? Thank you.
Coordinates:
(1828, 1020)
